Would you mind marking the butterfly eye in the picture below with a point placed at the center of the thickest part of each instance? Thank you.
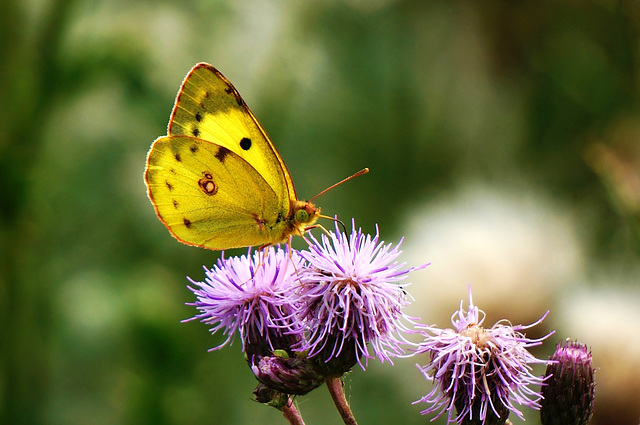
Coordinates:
(302, 216)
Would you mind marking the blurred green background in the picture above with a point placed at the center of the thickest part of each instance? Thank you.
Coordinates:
(476, 118)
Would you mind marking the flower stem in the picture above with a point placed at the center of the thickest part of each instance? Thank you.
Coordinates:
(334, 384)
(291, 413)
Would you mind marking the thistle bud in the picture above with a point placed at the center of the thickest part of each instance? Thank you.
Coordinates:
(570, 388)
(289, 375)
(274, 398)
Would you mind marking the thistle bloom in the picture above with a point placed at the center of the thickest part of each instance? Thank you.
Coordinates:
(351, 298)
(479, 372)
(570, 389)
(254, 296)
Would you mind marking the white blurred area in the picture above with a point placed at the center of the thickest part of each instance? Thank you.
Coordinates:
(516, 249)
(522, 255)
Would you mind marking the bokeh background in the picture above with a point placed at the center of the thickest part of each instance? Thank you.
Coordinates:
(503, 139)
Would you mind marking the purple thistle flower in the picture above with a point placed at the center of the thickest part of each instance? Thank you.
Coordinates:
(570, 390)
(479, 372)
(350, 298)
(254, 296)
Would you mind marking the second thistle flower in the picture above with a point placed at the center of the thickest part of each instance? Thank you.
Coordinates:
(350, 299)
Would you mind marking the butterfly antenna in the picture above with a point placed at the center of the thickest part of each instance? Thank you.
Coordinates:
(359, 173)
(335, 219)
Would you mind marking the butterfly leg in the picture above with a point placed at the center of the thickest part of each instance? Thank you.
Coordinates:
(317, 226)
(264, 250)
(335, 219)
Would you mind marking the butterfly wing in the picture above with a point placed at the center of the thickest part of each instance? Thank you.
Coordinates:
(209, 107)
(208, 196)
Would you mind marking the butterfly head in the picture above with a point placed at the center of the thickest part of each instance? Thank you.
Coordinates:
(305, 214)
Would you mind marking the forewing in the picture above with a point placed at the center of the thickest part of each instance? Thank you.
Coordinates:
(209, 107)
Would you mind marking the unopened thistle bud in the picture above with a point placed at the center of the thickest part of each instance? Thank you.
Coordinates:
(267, 395)
(570, 388)
(290, 375)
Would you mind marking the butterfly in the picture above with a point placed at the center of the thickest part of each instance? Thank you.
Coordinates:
(216, 180)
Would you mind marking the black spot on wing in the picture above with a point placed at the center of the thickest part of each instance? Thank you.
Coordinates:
(193, 148)
(222, 153)
(245, 143)
(198, 116)
(169, 186)
(187, 223)
(195, 132)
(177, 156)
(175, 204)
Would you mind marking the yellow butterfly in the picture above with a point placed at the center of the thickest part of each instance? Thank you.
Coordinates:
(216, 180)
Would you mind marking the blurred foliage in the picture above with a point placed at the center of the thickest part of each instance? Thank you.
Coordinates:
(425, 93)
